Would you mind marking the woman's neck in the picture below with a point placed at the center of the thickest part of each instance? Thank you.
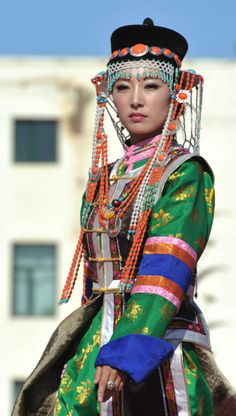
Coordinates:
(137, 138)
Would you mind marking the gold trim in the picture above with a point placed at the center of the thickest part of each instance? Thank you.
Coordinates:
(108, 290)
(117, 177)
(95, 230)
(103, 259)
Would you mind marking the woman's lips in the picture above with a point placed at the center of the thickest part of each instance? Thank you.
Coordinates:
(137, 117)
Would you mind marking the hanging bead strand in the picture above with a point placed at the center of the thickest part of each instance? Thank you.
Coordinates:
(128, 272)
(146, 193)
(74, 270)
(199, 94)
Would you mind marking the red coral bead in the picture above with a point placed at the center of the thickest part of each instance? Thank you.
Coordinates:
(161, 157)
(99, 135)
(172, 127)
(115, 203)
(139, 49)
(95, 170)
(183, 96)
(167, 52)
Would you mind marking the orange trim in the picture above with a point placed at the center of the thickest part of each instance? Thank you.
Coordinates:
(140, 49)
(162, 282)
(170, 249)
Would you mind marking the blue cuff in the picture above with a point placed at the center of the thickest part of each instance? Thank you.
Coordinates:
(137, 355)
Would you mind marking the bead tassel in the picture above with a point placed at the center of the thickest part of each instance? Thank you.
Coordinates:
(131, 262)
(84, 296)
(74, 270)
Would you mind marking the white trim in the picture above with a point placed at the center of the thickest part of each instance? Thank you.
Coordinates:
(171, 168)
(181, 394)
(107, 318)
(106, 408)
(184, 335)
(106, 333)
(113, 285)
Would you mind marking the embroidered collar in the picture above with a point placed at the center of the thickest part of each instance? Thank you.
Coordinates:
(139, 151)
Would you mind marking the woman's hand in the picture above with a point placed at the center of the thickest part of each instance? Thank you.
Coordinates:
(104, 374)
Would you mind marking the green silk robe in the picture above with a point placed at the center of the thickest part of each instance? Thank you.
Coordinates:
(160, 308)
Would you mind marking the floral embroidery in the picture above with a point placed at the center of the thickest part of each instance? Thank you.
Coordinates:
(200, 406)
(85, 351)
(184, 192)
(84, 390)
(195, 216)
(209, 198)
(118, 309)
(192, 369)
(145, 330)
(133, 310)
(162, 218)
(65, 385)
(177, 235)
(164, 311)
(58, 408)
(201, 242)
(175, 176)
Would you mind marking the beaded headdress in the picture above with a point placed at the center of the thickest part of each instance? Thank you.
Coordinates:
(159, 52)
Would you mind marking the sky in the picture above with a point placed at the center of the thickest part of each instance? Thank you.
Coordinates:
(83, 27)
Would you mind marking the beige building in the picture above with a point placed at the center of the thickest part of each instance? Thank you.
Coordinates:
(42, 180)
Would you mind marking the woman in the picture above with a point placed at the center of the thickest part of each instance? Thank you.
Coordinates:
(138, 345)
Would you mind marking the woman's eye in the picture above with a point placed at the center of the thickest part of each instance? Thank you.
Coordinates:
(121, 87)
(152, 86)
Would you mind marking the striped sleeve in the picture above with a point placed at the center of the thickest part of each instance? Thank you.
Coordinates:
(166, 269)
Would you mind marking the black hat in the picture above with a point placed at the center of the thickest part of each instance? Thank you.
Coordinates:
(149, 35)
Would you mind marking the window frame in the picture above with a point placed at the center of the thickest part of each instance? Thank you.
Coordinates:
(32, 120)
(31, 314)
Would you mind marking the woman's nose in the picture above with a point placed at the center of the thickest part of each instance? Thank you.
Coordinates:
(136, 98)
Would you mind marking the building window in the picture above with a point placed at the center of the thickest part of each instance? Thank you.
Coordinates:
(35, 141)
(34, 279)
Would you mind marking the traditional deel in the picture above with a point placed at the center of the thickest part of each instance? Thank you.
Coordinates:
(145, 221)
(153, 321)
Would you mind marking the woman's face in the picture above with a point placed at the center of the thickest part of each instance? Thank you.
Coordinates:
(142, 105)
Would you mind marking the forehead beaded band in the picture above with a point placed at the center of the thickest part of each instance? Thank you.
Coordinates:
(140, 49)
(151, 69)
